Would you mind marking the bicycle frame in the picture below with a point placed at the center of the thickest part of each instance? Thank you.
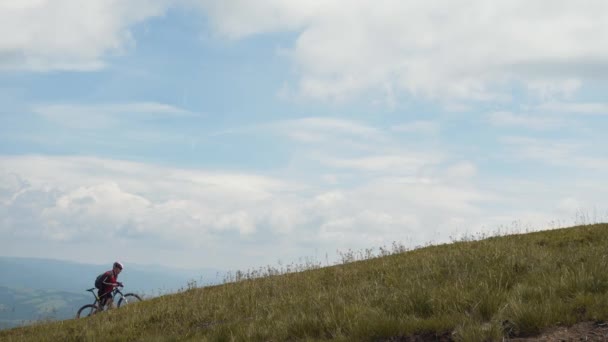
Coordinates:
(116, 291)
(117, 295)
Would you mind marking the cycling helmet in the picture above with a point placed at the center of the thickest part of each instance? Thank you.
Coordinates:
(118, 264)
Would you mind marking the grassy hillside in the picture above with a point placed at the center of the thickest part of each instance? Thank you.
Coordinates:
(470, 290)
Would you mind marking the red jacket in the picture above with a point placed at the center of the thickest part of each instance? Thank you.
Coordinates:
(109, 282)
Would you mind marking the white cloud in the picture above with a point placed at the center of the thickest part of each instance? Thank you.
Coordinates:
(591, 108)
(547, 89)
(94, 212)
(210, 215)
(43, 35)
(79, 200)
(572, 154)
(461, 171)
(325, 128)
(329, 197)
(408, 163)
(330, 135)
(229, 19)
(440, 50)
(350, 146)
(546, 150)
(532, 121)
(10, 186)
(107, 115)
(239, 220)
(420, 127)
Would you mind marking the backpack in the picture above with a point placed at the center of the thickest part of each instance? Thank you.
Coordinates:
(99, 281)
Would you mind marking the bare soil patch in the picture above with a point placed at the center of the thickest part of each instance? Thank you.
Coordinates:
(584, 331)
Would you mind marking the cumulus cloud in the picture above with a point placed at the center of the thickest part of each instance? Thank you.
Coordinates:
(441, 50)
(83, 199)
(453, 52)
(379, 194)
(78, 200)
(43, 35)
(85, 210)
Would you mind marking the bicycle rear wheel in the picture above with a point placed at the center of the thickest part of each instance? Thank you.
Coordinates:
(129, 298)
(86, 311)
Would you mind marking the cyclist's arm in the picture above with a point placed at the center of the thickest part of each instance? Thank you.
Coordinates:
(106, 281)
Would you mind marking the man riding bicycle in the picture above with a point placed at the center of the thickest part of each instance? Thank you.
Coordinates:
(109, 281)
(106, 285)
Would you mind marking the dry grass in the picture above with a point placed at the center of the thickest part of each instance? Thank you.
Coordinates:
(475, 290)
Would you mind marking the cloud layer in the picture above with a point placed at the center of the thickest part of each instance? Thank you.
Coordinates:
(347, 185)
(471, 51)
(498, 129)
(445, 51)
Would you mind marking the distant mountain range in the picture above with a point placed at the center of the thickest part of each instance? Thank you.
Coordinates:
(34, 289)
(25, 306)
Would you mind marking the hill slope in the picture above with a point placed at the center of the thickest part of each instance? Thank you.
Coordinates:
(511, 286)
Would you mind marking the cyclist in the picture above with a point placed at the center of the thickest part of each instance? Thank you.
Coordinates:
(109, 282)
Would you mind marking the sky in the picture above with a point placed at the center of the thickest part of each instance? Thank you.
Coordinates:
(238, 134)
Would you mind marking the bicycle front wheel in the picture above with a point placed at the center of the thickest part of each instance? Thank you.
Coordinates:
(86, 311)
(129, 298)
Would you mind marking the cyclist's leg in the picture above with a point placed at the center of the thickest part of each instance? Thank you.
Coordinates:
(100, 298)
(103, 299)
(110, 302)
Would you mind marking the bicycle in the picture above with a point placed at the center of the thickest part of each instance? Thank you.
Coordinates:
(91, 309)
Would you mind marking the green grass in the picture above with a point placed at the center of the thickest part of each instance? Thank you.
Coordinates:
(478, 290)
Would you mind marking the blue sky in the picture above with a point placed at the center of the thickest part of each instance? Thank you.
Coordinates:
(239, 133)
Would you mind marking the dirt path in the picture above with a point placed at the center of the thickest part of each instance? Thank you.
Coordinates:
(585, 331)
